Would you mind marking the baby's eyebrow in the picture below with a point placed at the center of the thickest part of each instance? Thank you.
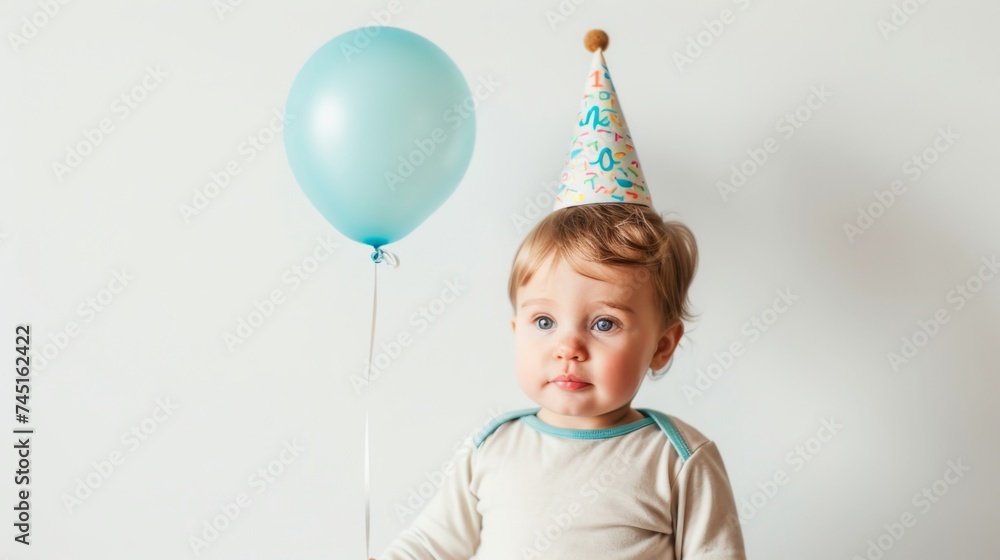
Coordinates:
(534, 300)
(605, 302)
(616, 305)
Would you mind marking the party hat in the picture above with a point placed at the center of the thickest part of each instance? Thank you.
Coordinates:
(602, 165)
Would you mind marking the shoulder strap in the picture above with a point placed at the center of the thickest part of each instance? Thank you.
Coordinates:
(668, 427)
(500, 420)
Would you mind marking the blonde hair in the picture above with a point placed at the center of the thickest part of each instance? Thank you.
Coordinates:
(632, 236)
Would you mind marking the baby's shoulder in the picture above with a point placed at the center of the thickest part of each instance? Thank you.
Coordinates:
(684, 438)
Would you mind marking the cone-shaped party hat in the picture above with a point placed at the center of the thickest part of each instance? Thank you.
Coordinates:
(602, 165)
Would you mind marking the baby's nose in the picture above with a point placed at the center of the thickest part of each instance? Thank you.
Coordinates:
(570, 348)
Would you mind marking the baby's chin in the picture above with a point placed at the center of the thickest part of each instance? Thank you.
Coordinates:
(580, 403)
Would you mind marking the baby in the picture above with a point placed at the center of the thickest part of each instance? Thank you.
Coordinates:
(599, 293)
(599, 290)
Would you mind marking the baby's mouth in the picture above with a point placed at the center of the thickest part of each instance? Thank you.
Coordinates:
(570, 383)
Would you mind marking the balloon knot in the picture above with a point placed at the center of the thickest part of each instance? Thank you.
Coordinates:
(380, 255)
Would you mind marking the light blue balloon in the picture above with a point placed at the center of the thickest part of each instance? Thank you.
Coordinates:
(380, 131)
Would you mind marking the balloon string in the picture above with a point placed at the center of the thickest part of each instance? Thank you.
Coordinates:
(380, 255)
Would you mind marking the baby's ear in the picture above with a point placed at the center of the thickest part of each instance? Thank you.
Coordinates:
(513, 323)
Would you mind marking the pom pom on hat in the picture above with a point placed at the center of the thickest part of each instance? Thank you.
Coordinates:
(602, 165)
(596, 39)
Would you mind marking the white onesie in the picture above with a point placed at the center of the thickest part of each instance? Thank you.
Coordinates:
(652, 489)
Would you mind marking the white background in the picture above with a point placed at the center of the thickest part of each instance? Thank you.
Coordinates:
(62, 239)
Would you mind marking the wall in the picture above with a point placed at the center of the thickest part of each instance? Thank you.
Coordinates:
(875, 203)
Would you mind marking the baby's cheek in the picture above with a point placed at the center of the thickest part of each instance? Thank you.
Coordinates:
(520, 369)
(626, 374)
(529, 383)
(527, 352)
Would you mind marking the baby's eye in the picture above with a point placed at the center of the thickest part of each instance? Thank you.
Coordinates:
(607, 323)
(541, 321)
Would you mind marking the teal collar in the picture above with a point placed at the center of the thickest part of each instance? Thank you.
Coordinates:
(664, 421)
(600, 433)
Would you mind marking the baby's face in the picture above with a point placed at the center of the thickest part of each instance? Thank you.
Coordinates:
(603, 334)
